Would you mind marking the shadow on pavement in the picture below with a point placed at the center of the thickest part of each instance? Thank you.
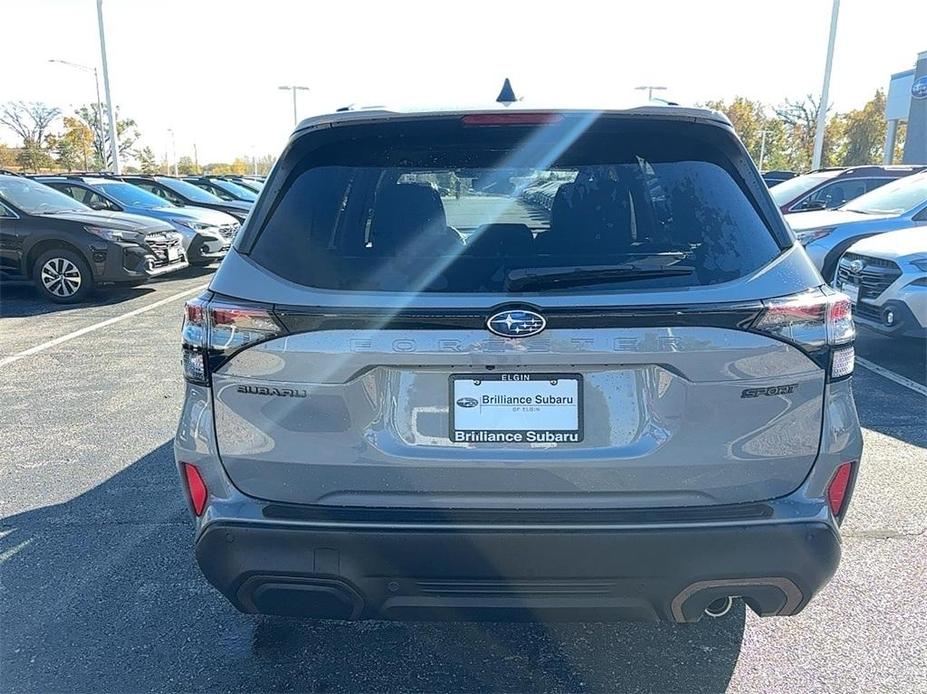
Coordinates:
(101, 593)
(889, 408)
(22, 300)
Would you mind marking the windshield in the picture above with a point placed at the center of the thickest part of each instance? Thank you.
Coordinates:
(622, 213)
(189, 191)
(893, 198)
(132, 196)
(794, 188)
(240, 192)
(35, 198)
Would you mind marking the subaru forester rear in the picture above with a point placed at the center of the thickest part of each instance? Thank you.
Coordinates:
(417, 391)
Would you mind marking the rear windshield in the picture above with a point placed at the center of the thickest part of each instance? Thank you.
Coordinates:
(547, 210)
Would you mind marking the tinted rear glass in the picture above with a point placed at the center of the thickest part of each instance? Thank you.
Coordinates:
(511, 210)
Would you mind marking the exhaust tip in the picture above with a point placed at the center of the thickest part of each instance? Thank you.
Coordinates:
(720, 607)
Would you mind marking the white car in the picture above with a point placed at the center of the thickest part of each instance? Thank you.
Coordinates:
(886, 277)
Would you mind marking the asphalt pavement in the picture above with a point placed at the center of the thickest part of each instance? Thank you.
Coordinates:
(99, 590)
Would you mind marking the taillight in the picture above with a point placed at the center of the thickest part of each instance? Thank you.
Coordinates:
(838, 488)
(819, 322)
(215, 330)
(196, 487)
(517, 118)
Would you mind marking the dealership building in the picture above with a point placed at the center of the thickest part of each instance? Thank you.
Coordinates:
(907, 103)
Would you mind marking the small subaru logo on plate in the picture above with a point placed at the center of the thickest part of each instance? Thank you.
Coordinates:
(856, 266)
(516, 323)
(467, 402)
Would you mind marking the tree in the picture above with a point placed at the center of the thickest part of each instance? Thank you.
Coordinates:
(863, 133)
(74, 147)
(126, 129)
(186, 167)
(7, 156)
(31, 122)
(800, 119)
(147, 161)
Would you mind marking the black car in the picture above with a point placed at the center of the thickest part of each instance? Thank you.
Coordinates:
(773, 178)
(184, 193)
(224, 188)
(65, 248)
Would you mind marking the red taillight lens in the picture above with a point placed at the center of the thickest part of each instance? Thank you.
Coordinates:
(813, 320)
(837, 489)
(196, 488)
(215, 330)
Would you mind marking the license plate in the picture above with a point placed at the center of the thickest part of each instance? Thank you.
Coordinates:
(516, 408)
(173, 253)
(851, 290)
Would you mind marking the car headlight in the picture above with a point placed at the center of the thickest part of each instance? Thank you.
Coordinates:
(809, 235)
(112, 234)
(920, 264)
(195, 226)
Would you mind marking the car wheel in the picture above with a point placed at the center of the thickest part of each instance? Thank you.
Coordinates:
(62, 276)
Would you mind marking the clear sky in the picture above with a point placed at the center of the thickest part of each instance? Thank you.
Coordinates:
(210, 69)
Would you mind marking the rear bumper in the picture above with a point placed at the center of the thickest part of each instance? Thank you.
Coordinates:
(369, 570)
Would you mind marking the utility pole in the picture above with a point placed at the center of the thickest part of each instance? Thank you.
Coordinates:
(173, 149)
(96, 81)
(822, 106)
(650, 90)
(196, 160)
(762, 149)
(113, 135)
(295, 88)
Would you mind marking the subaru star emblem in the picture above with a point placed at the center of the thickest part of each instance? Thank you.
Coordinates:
(516, 323)
(919, 88)
(856, 266)
(467, 402)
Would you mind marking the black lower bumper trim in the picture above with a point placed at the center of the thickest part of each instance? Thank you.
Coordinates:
(662, 573)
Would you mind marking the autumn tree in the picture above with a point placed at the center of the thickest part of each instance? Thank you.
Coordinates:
(31, 121)
(126, 129)
(186, 166)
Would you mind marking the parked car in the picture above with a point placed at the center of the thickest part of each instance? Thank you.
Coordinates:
(223, 188)
(207, 234)
(886, 278)
(826, 235)
(65, 248)
(638, 413)
(774, 178)
(827, 189)
(252, 183)
(185, 194)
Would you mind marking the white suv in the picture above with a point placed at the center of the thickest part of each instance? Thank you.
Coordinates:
(886, 277)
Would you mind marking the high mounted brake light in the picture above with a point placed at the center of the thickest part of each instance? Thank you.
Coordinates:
(819, 322)
(213, 331)
(511, 119)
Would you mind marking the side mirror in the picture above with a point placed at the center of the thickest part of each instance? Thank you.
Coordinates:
(815, 205)
(99, 205)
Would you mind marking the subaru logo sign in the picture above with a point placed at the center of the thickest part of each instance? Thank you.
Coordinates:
(919, 88)
(467, 402)
(856, 266)
(516, 323)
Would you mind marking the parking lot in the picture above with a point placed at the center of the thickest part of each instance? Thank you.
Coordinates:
(99, 589)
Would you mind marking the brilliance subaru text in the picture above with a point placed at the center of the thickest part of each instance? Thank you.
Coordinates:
(414, 391)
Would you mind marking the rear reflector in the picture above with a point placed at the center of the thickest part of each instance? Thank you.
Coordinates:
(511, 118)
(196, 487)
(837, 489)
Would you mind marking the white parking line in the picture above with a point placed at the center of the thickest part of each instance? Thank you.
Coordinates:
(892, 376)
(96, 326)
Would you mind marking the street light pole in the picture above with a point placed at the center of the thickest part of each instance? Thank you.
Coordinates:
(295, 88)
(96, 82)
(113, 135)
(173, 149)
(650, 90)
(822, 106)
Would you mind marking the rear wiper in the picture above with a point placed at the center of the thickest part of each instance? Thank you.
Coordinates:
(554, 277)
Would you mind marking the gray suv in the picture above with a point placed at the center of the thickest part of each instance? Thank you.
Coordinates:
(415, 393)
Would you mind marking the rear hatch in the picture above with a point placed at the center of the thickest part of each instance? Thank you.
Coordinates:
(406, 322)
